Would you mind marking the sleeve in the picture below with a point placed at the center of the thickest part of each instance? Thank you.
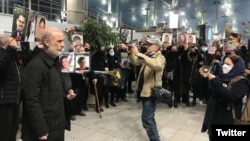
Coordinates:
(6, 56)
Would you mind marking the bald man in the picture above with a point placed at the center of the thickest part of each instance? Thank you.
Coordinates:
(43, 92)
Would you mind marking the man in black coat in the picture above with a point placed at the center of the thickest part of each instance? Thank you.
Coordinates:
(10, 83)
(43, 92)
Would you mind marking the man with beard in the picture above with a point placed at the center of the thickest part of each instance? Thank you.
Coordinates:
(9, 88)
(18, 32)
(43, 92)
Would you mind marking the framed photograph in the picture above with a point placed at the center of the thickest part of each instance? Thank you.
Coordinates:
(20, 17)
(166, 38)
(126, 35)
(77, 39)
(31, 26)
(67, 62)
(82, 62)
(160, 28)
(191, 40)
(182, 38)
(40, 26)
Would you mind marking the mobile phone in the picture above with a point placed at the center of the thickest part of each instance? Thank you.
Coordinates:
(206, 69)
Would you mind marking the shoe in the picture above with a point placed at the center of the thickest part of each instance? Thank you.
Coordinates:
(113, 104)
(101, 110)
(130, 91)
(170, 104)
(188, 104)
(73, 118)
(194, 103)
(175, 104)
(107, 105)
(124, 99)
(82, 113)
(138, 100)
(85, 107)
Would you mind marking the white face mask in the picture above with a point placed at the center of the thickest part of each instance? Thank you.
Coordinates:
(226, 69)
(204, 49)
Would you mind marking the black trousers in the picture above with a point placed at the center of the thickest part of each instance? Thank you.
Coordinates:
(9, 120)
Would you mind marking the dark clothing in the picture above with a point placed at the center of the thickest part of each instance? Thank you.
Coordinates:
(43, 96)
(219, 109)
(16, 33)
(10, 92)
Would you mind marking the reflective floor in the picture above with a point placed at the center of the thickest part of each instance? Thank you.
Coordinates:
(123, 123)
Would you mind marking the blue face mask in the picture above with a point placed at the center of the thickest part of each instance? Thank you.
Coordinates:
(111, 53)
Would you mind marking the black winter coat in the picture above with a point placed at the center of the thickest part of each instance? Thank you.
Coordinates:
(10, 78)
(43, 99)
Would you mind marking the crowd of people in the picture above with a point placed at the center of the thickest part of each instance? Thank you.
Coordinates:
(33, 85)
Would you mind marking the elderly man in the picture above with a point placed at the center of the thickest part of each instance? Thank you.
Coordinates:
(150, 75)
(43, 92)
(9, 88)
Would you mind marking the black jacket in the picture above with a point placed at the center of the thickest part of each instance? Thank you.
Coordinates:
(43, 99)
(10, 78)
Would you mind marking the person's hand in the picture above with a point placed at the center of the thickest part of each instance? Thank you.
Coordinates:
(44, 137)
(94, 81)
(134, 50)
(71, 95)
(12, 43)
(206, 74)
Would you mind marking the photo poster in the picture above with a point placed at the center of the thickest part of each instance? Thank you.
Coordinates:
(160, 28)
(40, 26)
(126, 35)
(19, 24)
(166, 38)
(124, 59)
(67, 62)
(77, 39)
(211, 47)
(82, 62)
(182, 38)
(31, 26)
(191, 40)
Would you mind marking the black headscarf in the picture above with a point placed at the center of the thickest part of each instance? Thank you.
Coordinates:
(238, 69)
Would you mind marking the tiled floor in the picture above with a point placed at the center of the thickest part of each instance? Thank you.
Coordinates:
(123, 123)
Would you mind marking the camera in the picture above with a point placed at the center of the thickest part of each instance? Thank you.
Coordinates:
(206, 69)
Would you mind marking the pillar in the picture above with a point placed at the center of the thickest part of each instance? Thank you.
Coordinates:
(76, 11)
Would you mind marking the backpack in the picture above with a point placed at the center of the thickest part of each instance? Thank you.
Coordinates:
(245, 117)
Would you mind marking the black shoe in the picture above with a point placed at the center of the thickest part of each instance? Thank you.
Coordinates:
(124, 99)
(175, 105)
(101, 110)
(85, 107)
(113, 104)
(73, 118)
(130, 91)
(194, 103)
(82, 113)
(170, 104)
(107, 105)
(138, 100)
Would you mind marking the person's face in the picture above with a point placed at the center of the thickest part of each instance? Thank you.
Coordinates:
(229, 62)
(190, 39)
(57, 44)
(182, 37)
(81, 50)
(152, 48)
(87, 46)
(20, 23)
(83, 63)
(41, 28)
(65, 63)
(167, 39)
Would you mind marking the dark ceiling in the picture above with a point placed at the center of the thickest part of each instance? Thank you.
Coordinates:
(133, 12)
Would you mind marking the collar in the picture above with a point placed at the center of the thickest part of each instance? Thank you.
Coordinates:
(47, 59)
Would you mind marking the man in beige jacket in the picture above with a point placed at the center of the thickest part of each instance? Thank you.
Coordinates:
(150, 75)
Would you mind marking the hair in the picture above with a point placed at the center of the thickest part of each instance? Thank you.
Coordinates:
(42, 20)
(76, 38)
(235, 58)
(79, 61)
(20, 15)
(63, 57)
(4, 38)
(48, 34)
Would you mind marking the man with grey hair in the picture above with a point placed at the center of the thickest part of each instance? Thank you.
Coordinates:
(150, 75)
(10, 84)
(43, 92)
